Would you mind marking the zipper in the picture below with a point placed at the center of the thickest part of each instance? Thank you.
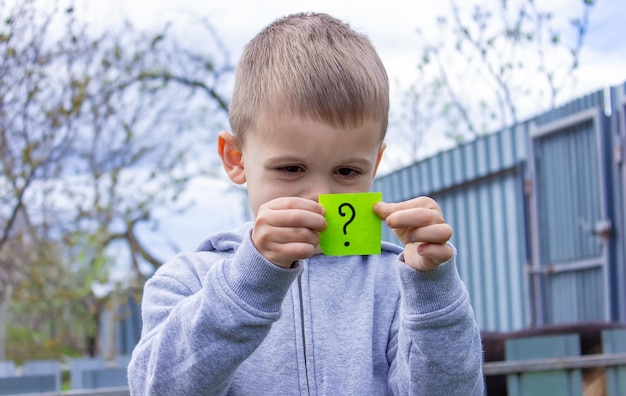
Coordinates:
(306, 368)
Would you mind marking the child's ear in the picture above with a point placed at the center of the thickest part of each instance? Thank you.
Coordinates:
(383, 146)
(229, 152)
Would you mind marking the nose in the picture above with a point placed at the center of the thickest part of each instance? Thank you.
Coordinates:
(316, 186)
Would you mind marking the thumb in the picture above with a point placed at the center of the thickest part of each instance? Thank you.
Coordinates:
(384, 209)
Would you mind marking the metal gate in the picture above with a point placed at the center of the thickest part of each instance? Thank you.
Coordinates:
(569, 219)
(618, 164)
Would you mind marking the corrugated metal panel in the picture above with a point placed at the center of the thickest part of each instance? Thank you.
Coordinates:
(618, 182)
(554, 382)
(480, 188)
(488, 221)
(499, 231)
(462, 164)
(490, 239)
(592, 100)
(581, 293)
(571, 201)
(568, 186)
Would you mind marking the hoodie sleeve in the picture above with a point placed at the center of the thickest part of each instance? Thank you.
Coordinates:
(438, 349)
(196, 332)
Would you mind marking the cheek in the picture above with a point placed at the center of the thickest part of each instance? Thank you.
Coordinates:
(261, 192)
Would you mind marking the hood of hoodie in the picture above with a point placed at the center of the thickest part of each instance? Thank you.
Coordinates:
(224, 241)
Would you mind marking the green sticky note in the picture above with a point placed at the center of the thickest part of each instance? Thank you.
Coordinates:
(353, 227)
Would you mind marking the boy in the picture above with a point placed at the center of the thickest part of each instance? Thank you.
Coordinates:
(260, 311)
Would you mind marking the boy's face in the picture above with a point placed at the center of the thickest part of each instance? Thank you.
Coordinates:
(295, 157)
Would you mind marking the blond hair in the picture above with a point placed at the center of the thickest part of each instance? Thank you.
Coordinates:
(313, 66)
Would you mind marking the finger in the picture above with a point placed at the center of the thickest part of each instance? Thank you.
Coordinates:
(425, 256)
(435, 233)
(283, 245)
(293, 212)
(295, 235)
(384, 209)
(295, 218)
(295, 203)
(414, 218)
(435, 253)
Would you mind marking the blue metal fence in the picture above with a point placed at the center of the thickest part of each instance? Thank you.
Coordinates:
(538, 213)
(481, 189)
(572, 360)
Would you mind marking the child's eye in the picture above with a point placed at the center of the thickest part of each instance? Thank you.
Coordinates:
(291, 169)
(348, 172)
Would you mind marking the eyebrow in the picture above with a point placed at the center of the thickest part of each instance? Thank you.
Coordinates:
(283, 159)
(363, 162)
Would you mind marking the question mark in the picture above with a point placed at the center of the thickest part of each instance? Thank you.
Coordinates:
(342, 214)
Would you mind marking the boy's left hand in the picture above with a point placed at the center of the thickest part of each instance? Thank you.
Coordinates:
(419, 224)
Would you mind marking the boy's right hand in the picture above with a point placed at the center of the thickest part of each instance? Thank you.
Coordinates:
(287, 229)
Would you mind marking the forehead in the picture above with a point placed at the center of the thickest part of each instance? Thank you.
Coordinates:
(276, 121)
(312, 140)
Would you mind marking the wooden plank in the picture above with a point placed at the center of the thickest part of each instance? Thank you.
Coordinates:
(560, 363)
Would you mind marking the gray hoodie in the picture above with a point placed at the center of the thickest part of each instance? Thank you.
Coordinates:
(225, 321)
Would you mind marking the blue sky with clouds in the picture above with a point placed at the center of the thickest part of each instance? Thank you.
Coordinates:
(391, 25)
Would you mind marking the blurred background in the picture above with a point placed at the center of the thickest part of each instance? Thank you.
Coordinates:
(109, 113)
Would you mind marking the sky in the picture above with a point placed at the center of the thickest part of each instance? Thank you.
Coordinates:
(390, 25)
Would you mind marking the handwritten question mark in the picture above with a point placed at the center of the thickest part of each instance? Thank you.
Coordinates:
(342, 214)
